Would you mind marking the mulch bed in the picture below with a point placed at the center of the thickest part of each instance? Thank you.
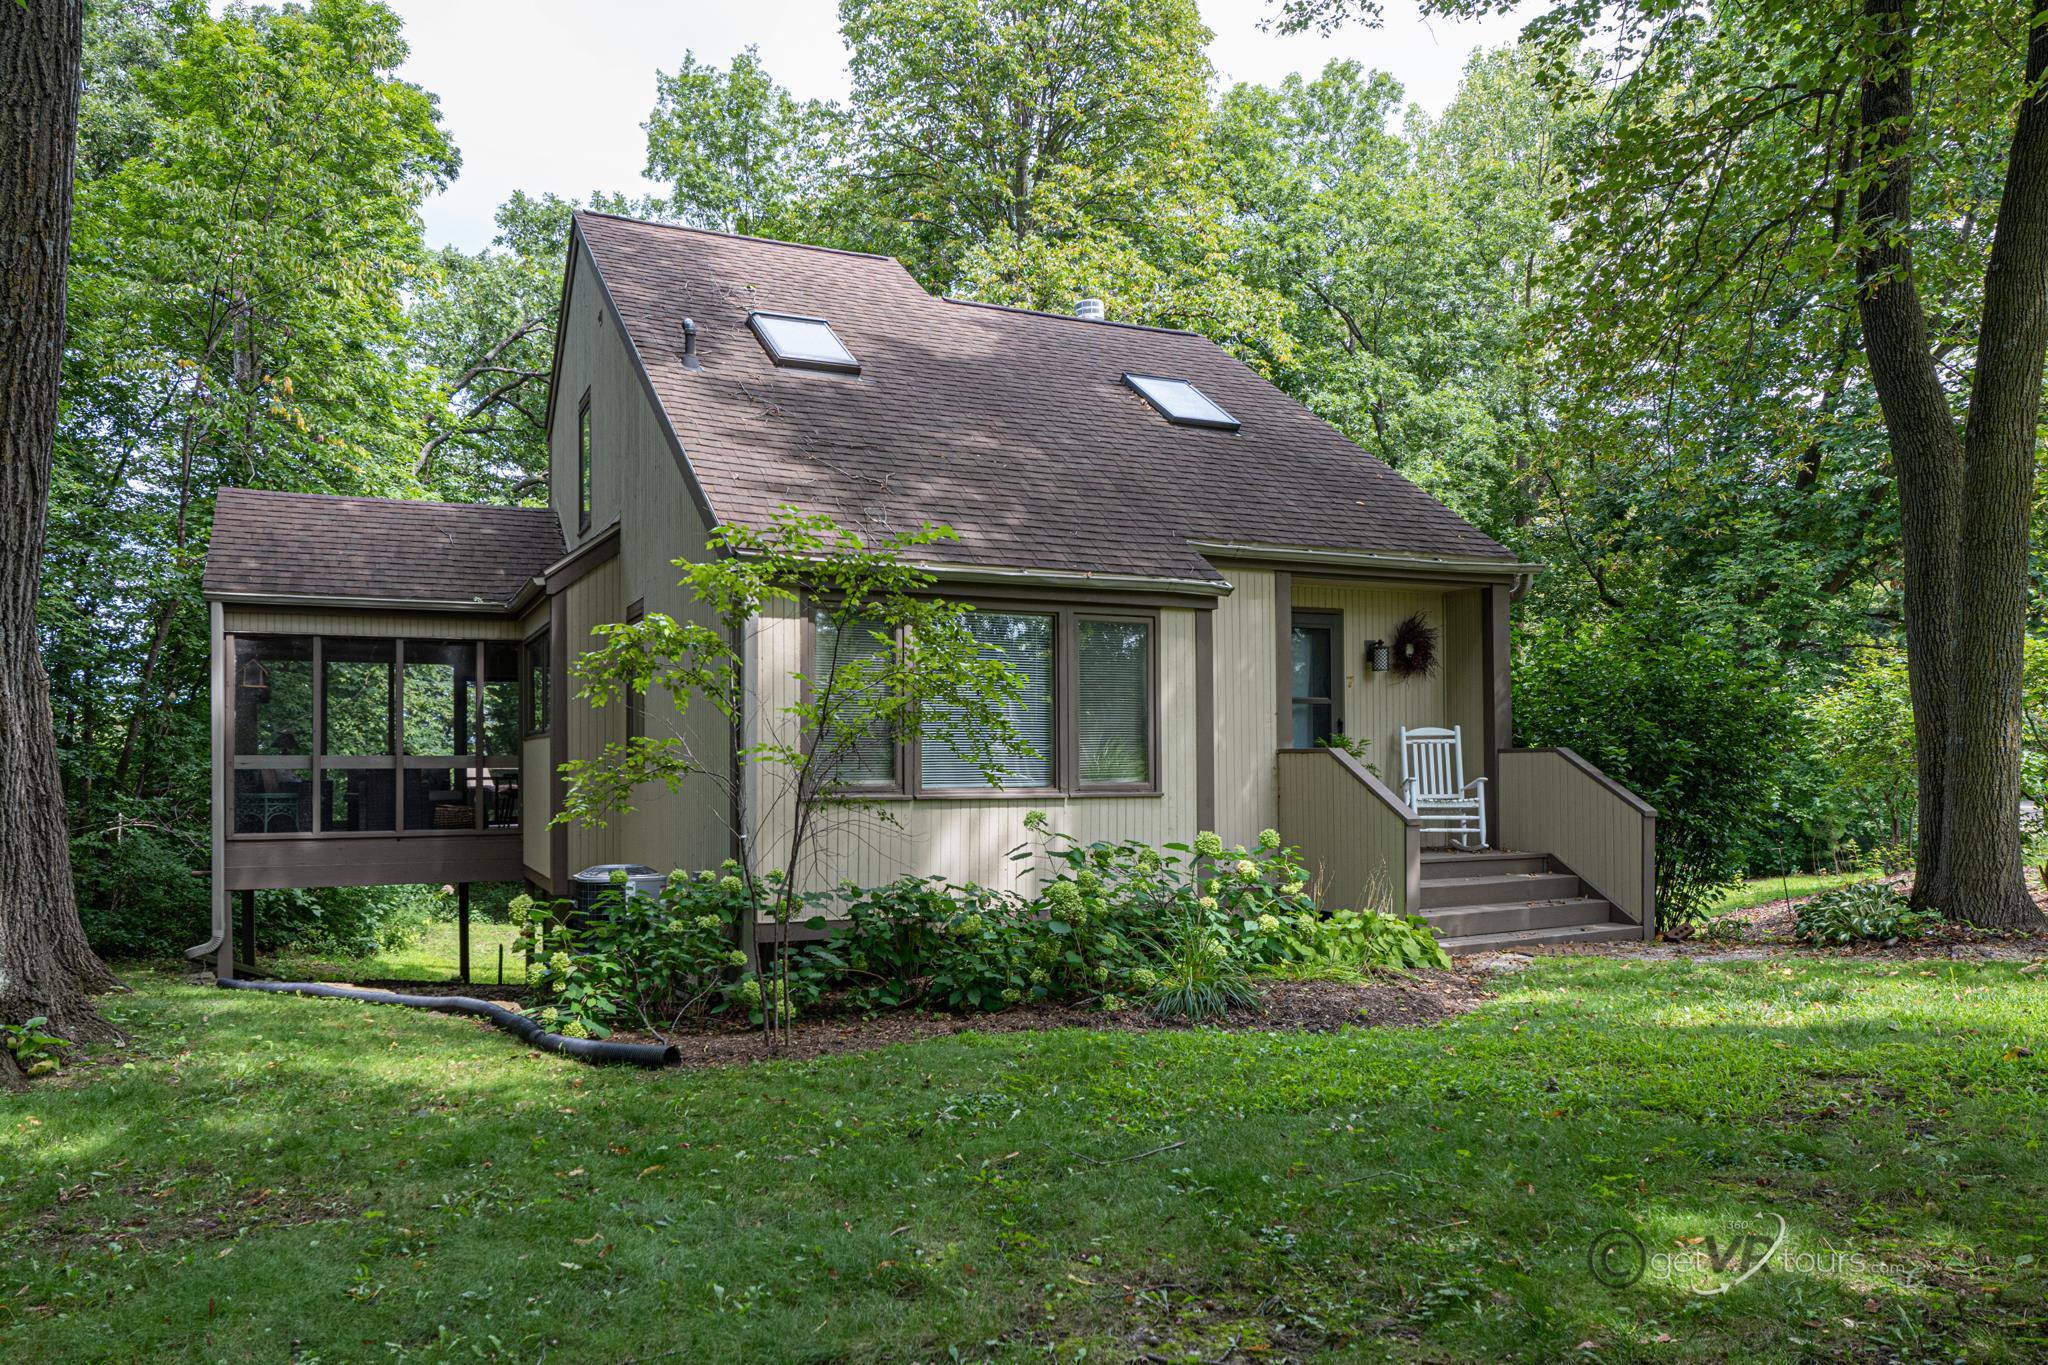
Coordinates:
(1417, 1000)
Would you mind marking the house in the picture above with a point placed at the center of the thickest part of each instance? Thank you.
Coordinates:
(391, 692)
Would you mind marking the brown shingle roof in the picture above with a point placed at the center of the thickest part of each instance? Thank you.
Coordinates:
(312, 545)
(1014, 428)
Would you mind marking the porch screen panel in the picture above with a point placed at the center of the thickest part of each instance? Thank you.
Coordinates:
(845, 651)
(1024, 641)
(273, 696)
(438, 722)
(358, 785)
(1115, 659)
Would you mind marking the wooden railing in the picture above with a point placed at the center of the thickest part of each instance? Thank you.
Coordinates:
(1361, 844)
(1552, 801)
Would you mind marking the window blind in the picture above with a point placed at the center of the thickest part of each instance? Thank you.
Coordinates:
(1115, 723)
(1025, 643)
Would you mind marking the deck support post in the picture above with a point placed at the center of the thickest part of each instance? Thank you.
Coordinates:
(249, 927)
(462, 919)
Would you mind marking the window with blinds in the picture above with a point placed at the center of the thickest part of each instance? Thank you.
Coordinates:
(1025, 642)
(1114, 725)
(845, 651)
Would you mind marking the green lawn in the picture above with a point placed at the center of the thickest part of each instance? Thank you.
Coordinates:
(273, 1179)
(436, 957)
(1762, 890)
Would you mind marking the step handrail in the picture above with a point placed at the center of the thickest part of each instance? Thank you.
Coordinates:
(1554, 800)
(1361, 824)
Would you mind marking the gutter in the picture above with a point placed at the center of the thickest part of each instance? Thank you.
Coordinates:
(1096, 582)
(477, 605)
(1364, 559)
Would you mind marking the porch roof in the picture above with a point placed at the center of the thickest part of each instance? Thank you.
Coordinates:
(315, 547)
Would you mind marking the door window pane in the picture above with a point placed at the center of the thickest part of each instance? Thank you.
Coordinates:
(440, 698)
(358, 696)
(358, 799)
(846, 681)
(273, 696)
(1311, 661)
(1025, 643)
(1311, 723)
(1116, 708)
(273, 800)
(501, 700)
(439, 798)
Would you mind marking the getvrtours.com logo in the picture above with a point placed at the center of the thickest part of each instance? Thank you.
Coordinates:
(1714, 1263)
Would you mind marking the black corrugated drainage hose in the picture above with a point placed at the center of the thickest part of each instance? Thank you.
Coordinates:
(512, 1021)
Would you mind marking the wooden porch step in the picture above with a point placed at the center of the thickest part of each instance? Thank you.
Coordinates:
(1440, 866)
(1562, 936)
(1505, 888)
(1471, 920)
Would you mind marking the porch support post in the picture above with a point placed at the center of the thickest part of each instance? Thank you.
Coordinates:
(1497, 717)
(249, 927)
(462, 925)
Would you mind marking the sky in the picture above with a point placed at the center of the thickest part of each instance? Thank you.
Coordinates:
(546, 96)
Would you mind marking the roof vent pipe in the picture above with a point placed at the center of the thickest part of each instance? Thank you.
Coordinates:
(1090, 310)
(690, 361)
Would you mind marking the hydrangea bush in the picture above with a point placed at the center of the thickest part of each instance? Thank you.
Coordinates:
(1180, 929)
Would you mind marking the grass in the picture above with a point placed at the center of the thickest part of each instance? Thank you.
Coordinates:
(1764, 890)
(263, 1178)
(436, 957)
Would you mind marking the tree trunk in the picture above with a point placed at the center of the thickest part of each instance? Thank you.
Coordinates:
(1927, 451)
(46, 966)
(1981, 865)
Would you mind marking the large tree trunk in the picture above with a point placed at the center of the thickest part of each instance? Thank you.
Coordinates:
(1927, 453)
(46, 966)
(1981, 857)
(1964, 498)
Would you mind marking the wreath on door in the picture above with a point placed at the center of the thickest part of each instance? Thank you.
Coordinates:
(1414, 648)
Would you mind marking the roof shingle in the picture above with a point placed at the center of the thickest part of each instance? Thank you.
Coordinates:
(1014, 428)
(274, 544)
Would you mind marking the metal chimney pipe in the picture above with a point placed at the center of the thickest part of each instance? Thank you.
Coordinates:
(1090, 310)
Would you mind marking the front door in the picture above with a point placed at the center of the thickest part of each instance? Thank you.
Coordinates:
(1317, 655)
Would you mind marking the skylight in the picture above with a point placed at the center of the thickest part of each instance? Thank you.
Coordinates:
(1181, 403)
(802, 343)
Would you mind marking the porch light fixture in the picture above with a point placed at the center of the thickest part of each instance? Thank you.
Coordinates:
(1377, 656)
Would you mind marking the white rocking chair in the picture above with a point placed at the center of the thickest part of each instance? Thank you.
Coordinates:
(1434, 786)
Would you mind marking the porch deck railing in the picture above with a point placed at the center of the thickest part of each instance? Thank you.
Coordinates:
(1555, 802)
(1361, 843)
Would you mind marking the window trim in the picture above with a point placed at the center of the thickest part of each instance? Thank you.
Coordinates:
(1065, 758)
(583, 464)
(636, 700)
(526, 698)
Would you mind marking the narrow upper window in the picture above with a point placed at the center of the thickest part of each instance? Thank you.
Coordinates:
(1181, 403)
(802, 343)
(583, 464)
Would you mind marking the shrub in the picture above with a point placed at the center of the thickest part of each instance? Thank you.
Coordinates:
(1862, 912)
(1345, 945)
(646, 960)
(1201, 972)
(923, 940)
(137, 895)
(1674, 712)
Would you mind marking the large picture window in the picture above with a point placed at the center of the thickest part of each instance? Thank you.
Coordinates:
(349, 736)
(1086, 721)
